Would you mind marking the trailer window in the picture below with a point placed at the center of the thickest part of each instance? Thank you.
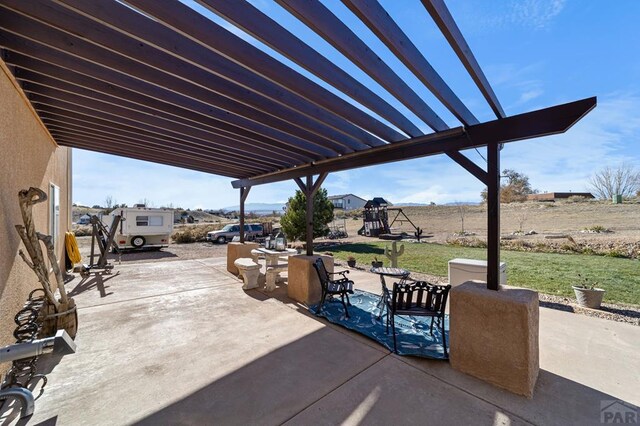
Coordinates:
(155, 220)
(149, 221)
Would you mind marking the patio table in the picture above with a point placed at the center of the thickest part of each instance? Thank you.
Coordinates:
(403, 274)
(273, 263)
(272, 256)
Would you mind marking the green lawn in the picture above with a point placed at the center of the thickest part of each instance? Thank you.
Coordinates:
(549, 273)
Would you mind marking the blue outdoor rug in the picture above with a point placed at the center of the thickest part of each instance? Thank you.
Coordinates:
(412, 333)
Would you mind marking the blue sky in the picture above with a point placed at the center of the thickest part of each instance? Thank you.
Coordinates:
(535, 54)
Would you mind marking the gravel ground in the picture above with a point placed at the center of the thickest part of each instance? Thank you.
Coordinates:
(613, 312)
(610, 311)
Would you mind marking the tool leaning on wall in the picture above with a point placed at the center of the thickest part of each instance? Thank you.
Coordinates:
(46, 323)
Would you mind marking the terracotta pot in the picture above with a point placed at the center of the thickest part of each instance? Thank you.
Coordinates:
(589, 298)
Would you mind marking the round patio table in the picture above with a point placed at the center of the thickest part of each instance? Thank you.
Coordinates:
(403, 274)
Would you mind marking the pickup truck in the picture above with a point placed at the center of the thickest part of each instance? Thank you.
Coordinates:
(251, 232)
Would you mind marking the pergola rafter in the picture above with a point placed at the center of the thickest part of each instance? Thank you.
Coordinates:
(158, 81)
(265, 29)
(317, 17)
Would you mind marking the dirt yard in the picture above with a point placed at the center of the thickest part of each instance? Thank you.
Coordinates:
(441, 222)
(173, 252)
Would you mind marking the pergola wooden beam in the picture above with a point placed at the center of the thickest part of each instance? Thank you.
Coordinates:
(440, 14)
(120, 141)
(267, 112)
(468, 165)
(320, 19)
(97, 145)
(140, 104)
(309, 189)
(548, 121)
(493, 215)
(94, 77)
(174, 145)
(189, 23)
(246, 16)
(189, 138)
(378, 20)
(244, 193)
(177, 129)
(201, 64)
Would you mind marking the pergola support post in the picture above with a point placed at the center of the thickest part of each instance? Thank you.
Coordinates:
(309, 218)
(244, 192)
(309, 189)
(493, 216)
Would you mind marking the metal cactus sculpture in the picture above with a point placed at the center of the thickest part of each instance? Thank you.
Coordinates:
(394, 253)
(418, 233)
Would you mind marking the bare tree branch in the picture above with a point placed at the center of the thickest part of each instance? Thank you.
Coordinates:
(623, 180)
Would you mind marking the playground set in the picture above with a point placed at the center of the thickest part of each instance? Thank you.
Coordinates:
(376, 221)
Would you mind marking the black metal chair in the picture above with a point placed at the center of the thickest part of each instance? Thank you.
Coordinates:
(418, 298)
(341, 286)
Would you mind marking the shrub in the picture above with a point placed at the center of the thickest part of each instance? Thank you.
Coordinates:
(615, 253)
(183, 237)
(190, 234)
(82, 231)
(597, 229)
(577, 199)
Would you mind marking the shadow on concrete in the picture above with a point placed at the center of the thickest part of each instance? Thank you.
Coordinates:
(554, 305)
(10, 410)
(94, 281)
(273, 388)
(314, 380)
(148, 254)
(52, 421)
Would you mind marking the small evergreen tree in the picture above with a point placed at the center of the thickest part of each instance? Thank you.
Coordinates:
(294, 220)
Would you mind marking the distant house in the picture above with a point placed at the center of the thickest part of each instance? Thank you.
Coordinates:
(553, 196)
(347, 201)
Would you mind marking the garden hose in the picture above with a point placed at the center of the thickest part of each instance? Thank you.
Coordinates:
(72, 248)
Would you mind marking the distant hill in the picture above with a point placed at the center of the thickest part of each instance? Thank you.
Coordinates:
(463, 203)
(410, 204)
(258, 208)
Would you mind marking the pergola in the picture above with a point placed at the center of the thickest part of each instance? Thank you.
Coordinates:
(160, 82)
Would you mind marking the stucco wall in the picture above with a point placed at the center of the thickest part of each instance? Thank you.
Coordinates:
(28, 157)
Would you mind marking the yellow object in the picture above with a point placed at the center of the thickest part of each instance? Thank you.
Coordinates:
(72, 248)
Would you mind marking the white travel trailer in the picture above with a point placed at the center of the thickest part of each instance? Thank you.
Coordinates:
(142, 227)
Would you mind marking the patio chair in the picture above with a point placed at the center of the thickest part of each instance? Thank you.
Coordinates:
(332, 287)
(417, 298)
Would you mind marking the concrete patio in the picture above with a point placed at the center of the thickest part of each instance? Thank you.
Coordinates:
(180, 343)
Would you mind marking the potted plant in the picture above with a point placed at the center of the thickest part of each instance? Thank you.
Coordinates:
(351, 261)
(587, 293)
(376, 263)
